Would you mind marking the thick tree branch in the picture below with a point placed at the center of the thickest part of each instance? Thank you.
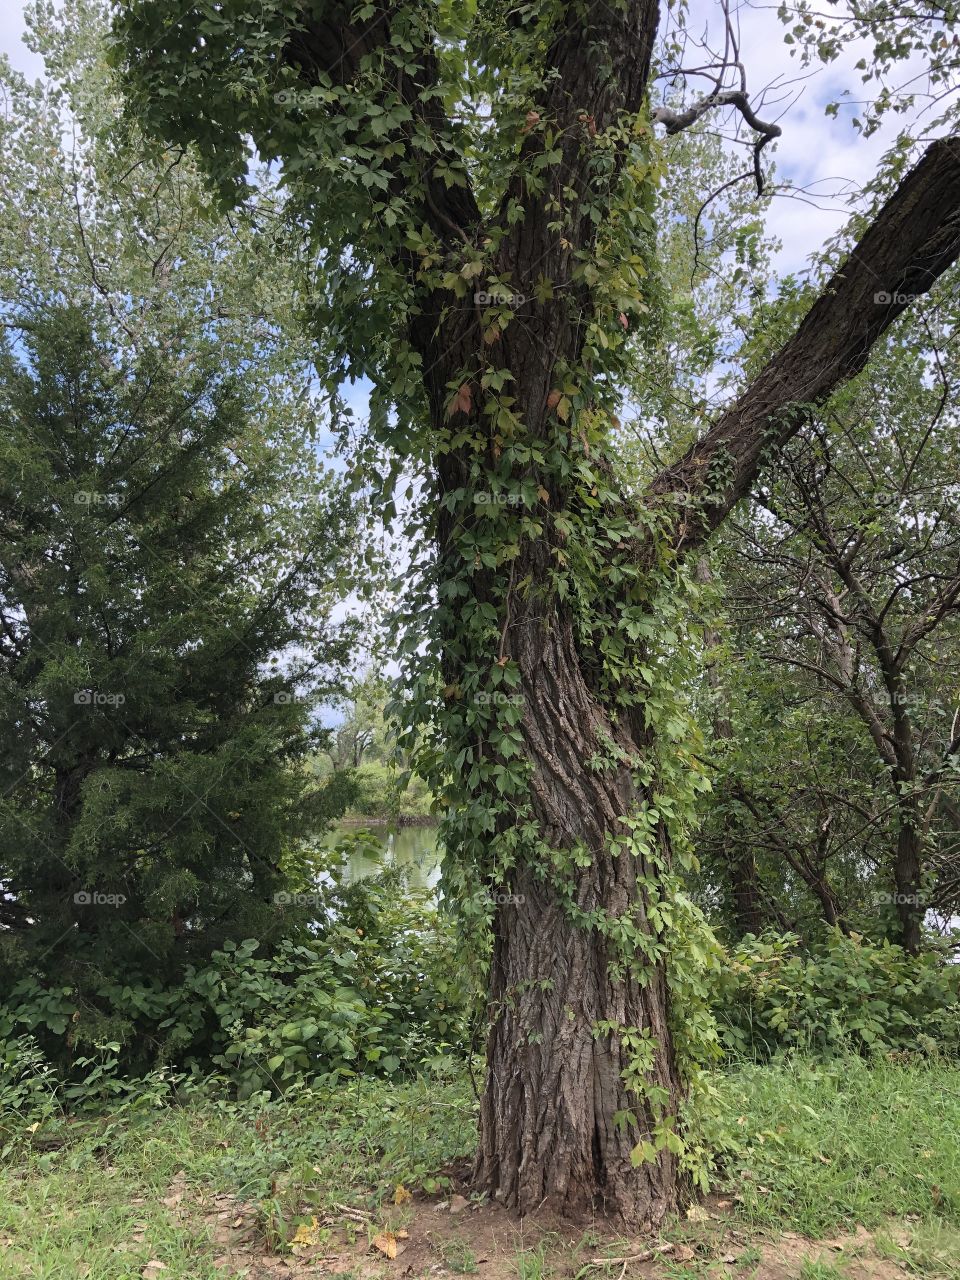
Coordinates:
(677, 121)
(914, 238)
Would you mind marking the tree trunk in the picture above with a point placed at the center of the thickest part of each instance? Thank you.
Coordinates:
(558, 1121)
(549, 1133)
(907, 870)
(747, 907)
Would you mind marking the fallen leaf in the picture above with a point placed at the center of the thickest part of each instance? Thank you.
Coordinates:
(697, 1213)
(458, 1204)
(386, 1243)
(683, 1253)
(401, 1195)
(305, 1237)
(153, 1268)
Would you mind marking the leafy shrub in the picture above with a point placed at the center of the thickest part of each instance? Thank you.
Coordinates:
(367, 985)
(845, 993)
(27, 1088)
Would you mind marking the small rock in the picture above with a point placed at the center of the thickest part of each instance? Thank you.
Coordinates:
(458, 1204)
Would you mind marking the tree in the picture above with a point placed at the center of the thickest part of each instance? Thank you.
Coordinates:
(481, 184)
(362, 731)
(151, 793)
(846, 571)
(172, 553)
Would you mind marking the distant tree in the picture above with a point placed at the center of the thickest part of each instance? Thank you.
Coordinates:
(363, 731)
(845, 575)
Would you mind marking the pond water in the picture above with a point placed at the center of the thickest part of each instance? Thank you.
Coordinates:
(412, 847)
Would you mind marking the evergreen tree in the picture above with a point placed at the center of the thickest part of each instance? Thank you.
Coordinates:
(168, 562)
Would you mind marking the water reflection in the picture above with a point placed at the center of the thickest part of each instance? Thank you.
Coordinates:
(414, 848)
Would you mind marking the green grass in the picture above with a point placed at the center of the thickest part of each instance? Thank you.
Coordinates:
(813, 1148)
(822, 1145)
(82, 1206)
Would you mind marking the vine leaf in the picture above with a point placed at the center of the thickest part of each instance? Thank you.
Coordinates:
(462, 402)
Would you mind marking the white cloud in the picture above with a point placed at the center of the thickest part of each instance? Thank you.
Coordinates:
(828, 156)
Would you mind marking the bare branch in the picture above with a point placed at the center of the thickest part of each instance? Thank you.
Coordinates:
(677, 121)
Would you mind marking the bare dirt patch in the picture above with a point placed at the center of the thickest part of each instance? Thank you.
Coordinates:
(429, 1238)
